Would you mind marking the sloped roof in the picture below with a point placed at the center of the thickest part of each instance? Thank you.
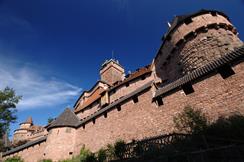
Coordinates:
(28, 121)
(140, 72)
(95, 96)
(66, 119)
(100, 81)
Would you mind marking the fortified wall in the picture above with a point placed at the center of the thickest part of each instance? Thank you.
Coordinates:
(199, 64)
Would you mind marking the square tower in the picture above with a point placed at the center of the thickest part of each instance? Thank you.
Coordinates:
(112, 72)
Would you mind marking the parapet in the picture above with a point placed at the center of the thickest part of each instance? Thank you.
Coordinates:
(194, 40)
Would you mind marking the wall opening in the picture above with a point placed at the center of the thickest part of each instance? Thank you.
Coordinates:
(135, 99)
(143, 77)
(159, 101)
(118, 107)
(187, 88)
(105, 115)
(188, 21)
(226, 71)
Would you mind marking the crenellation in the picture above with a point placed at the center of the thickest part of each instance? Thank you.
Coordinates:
(194, 67)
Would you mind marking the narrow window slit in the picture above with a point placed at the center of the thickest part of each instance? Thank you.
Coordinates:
(135, 99)
(226, 71)
(187, 88)
(105, 115)
(159, 101)
(118, 107)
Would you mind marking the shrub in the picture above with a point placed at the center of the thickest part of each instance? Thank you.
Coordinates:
(110, 151)
(46, 160)
(101, 155)
(86, 155)
(190, 121)
(120, 148)
(14, 159)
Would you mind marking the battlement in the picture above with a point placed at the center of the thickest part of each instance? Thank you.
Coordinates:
(200, 64)
(192, 41)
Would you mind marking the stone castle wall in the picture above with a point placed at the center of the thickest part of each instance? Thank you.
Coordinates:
(195, 42)
(135, 119)
(130, 87)
(214, 95)
(31, 154)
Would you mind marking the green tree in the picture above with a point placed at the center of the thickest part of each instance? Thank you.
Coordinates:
(190, 121)
(120, 148)
(49, 120)
(8, 101)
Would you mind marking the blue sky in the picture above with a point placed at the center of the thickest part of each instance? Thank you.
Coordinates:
(51, 50)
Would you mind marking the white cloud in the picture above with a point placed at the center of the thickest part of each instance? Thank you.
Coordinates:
(37, 89)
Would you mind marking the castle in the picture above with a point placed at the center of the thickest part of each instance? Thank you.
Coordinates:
(200, 63)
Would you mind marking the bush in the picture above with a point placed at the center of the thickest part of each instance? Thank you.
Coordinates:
(190, 121)
(101, 155)
(86, 155)
(120, 148)
(14, 159)
(110, 151)
(46, 160)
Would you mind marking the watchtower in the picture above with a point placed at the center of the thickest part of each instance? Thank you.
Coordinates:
(192, 41)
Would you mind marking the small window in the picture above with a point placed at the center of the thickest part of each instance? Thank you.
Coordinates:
(226, 71)
(70, 153)
(159, 101)
(187, 88)
(105, 115)
(84, 126)
(127, 84)
(118, 107)
(188, 21)
(143, 77)
(135, 99)
(214, 13)
(93, 120)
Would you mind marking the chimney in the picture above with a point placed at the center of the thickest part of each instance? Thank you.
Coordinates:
(112, 72)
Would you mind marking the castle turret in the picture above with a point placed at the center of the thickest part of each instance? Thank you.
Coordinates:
(21, 133)
(61, 136)
(112, 72)
(194, 40)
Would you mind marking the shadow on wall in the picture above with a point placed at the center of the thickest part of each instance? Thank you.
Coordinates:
(217, 141)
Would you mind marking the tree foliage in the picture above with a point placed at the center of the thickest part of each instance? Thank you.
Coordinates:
(50, 120)
(14, 159)
(190, 121)
(8, 101)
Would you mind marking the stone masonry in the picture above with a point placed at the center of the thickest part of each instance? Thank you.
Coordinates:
(199, 64)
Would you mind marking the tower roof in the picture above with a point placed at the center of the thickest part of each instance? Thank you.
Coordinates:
(111, 60)
(29, 120)
(66, 119)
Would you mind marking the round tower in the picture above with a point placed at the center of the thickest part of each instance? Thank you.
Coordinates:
(194, 40)
(61, 137)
